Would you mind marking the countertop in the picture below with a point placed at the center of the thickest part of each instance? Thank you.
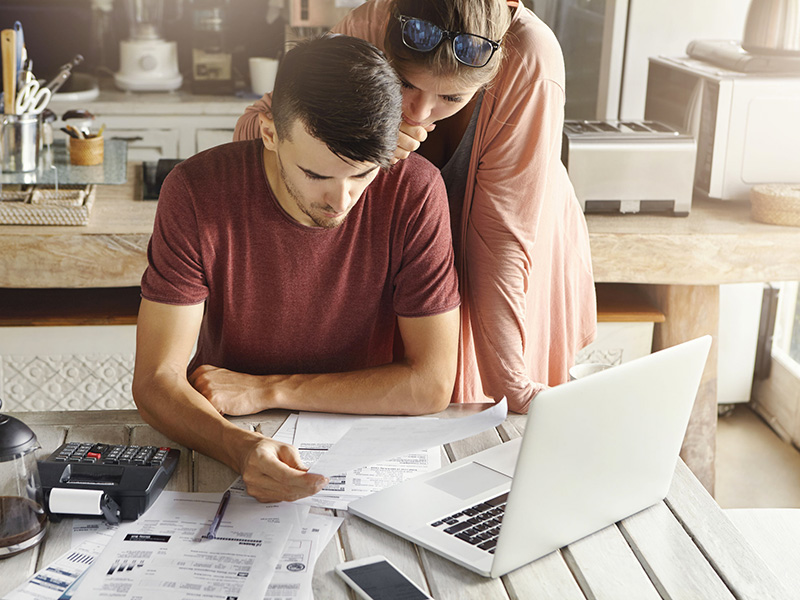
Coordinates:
(182, 102)
(717, 243)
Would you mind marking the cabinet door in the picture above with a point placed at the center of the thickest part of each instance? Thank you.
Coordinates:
(147, 144)
(208, 138)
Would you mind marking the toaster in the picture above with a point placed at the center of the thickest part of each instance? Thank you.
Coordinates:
(630, 166)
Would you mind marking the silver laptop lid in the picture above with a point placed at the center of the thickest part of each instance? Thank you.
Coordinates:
(597, 450)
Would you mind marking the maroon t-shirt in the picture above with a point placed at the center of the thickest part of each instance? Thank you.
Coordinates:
(285, 298)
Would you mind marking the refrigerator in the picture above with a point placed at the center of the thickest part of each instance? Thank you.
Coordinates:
(606, 44)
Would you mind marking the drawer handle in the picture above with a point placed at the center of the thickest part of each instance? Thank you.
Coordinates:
(137, 138)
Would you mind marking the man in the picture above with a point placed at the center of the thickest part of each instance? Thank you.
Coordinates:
(296, 258)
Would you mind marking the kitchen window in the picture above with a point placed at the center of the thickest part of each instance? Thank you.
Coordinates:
(786, 341)
(777, 397)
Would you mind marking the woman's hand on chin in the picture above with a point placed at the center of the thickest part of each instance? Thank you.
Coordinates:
(411, 136)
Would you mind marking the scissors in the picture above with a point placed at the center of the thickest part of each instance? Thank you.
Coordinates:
(32, 97)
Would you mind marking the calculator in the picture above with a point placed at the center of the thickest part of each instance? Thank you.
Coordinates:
(129, 477)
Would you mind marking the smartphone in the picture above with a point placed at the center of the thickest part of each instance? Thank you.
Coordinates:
(375, 578)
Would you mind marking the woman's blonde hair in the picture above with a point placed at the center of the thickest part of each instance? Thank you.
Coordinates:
(488, 18)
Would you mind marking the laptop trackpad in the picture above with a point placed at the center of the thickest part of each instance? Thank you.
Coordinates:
(467, 481)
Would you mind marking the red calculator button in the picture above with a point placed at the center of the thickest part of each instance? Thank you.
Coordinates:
(93, 455)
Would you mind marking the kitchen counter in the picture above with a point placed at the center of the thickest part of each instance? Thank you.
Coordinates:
(684, 259)
(112, 101)
(717, 243)
(108, 252)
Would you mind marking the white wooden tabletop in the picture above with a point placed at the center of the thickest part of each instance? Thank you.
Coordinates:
(682, 548)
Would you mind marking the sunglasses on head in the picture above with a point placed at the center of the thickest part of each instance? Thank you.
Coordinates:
(469, 49)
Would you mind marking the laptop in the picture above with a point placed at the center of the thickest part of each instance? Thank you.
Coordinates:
(595, 450)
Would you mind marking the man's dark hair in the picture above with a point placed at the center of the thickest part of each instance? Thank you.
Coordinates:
(343, 90)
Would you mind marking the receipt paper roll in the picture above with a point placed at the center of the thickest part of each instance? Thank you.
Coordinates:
(75, 502)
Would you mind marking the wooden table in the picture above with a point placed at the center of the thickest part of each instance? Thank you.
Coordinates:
(682, 548)
(683, 261)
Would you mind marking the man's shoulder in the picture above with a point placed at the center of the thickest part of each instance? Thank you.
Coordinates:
(202, 179)
(410, 188)
(415, 169)
(217, 159)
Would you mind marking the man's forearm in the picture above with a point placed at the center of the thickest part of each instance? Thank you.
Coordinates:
(392, 389)
(421, 383)
(168, 403)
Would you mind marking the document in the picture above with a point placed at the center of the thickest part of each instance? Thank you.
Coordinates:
(292, 578)
(165, 555)
(295, 572)
(317, 433)
(56, 578)
(92, 529)
(370, 440)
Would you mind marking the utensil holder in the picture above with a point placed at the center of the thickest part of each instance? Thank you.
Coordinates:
(86, 152)
(21, 142)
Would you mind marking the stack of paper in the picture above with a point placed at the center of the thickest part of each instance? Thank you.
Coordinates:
(164, 554)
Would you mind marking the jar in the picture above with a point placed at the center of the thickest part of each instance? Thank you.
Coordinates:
(23, 521)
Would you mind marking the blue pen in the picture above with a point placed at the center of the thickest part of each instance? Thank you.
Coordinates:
(223, 504)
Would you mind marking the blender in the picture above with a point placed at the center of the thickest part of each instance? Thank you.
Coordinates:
(147, 62)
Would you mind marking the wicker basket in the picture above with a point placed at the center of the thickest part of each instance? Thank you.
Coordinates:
(72, 205)
(67, 195)
(778, 204)
(15, 193)
(86, 152)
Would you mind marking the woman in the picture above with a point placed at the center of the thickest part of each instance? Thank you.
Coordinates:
(488, 111)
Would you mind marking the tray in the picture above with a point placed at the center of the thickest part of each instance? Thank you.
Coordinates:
(42, 205)
(113, 170)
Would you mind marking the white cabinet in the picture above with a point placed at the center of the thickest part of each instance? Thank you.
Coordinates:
(144, 144)
(163, 125)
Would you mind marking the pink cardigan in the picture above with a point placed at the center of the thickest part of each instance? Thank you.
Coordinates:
(528, 299)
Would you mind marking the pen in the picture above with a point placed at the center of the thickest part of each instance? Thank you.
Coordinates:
(223, 504)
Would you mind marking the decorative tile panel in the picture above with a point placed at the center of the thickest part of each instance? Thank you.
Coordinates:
(66, 382)
(607, 356)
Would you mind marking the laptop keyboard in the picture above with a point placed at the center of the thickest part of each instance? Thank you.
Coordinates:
(478, 525)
